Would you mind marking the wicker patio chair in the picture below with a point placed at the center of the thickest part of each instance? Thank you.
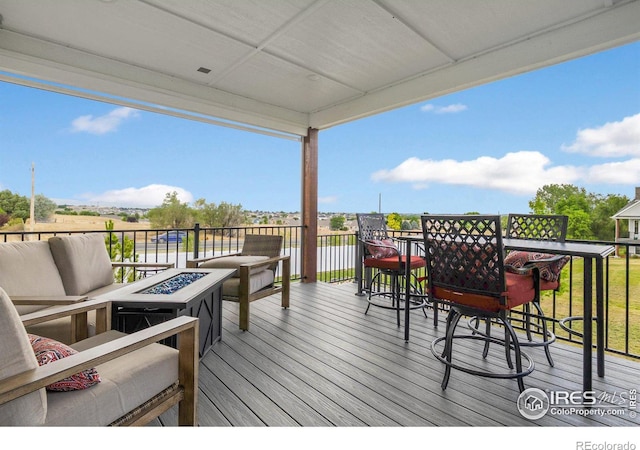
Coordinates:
(257, 265)
(466, 271)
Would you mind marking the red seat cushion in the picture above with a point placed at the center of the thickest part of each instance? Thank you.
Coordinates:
(393, 264)
(520, 290)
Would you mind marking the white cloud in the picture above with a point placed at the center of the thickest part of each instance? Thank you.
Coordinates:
(518, 172)
(613, 139)
(144, 197)
(625, 172)
(449, 109)
(103, 124)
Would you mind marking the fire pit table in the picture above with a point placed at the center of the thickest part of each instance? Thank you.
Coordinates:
(169, 294)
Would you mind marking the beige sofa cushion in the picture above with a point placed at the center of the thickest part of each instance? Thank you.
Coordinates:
(16, 356)
(28, 268)
(127, 382)
(83, 262)
(234, 262)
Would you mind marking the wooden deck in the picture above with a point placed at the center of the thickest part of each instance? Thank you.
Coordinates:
(323, 362)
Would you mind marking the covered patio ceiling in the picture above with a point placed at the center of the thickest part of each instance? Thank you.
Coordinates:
(290, 65)
(291, 68)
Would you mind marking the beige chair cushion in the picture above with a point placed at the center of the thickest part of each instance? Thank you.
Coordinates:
(127, 382)
(234, 262)
(16, 356)
(83, 262)
(230, 288)
(28, 268)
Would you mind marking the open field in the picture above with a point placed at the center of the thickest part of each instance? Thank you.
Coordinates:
(81, 223)
(616, 310)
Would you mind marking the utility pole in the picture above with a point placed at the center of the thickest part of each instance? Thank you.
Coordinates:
(32, 219)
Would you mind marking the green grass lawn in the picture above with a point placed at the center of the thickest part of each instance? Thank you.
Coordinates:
(615, 307)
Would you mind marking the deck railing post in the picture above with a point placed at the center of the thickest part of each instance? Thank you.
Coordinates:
(196, 241)
(358, 265)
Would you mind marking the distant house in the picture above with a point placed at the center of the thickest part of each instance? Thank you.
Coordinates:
(631, 213)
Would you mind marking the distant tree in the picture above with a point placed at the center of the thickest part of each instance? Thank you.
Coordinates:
(230, 215)
(394, 221)
(548, 196)
(17, 206)
(172, 213)
(224, 215)
(589, 214)
(336, 223)
(43, 208)
(206, 213)
(603, 226)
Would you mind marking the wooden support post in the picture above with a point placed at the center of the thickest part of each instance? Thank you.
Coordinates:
(310, 206)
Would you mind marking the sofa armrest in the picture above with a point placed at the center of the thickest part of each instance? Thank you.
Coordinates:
(78, 313)
(195, 263)
(185, 327)
(47, 300)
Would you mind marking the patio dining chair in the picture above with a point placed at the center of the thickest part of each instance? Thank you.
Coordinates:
(466, 271)
(381, 257)
(541, 227)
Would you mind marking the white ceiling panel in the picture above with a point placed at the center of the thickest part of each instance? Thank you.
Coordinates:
(304, 90)
(342, 41)
(287, 65)
(464, 28)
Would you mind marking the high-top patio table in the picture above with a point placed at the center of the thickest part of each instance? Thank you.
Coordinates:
(590, 253)
(169, 294)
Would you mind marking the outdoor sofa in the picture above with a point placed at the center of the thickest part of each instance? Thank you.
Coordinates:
(59, 271)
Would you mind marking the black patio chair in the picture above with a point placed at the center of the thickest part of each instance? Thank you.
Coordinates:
(381, 254)
(466, 271)
(542, 227)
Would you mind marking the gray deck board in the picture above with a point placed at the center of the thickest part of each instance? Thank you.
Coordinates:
(323, 362)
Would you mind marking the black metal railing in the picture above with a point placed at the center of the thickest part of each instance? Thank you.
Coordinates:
(339, 260)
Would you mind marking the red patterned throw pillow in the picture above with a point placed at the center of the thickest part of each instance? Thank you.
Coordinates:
(382, 248)
(549, 272)
(47, 350)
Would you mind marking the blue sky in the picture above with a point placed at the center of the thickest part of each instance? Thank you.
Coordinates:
(485, 149)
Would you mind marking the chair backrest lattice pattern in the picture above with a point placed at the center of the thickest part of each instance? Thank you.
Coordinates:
(464, 253)
(537, 226)
(372, 226)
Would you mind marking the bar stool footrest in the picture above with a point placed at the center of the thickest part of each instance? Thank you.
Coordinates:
(563, 324)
